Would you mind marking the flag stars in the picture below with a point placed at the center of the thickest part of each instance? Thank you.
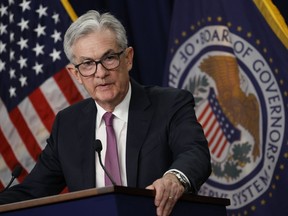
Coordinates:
(176, 41)
(229, 24)
(55, 55)
(249, 34)
(56, 36)
(56, 18)
(271, 60)
(42, 11)
(23, 24)
(38, 49)
(12, 91)
(219, 19)
(12, 55)
(11, 2)
(192, 27)
(184, 34)
(2, 47)
(263, 202)
(40, 30)
(22, 62)
(3, 10)
(12, 73)
(18, 48)
(25, 5)
(2, 65)
(23, 43)
(12, 38)
(3, 29)
(23, 80)
(38, 68)
(11, 18)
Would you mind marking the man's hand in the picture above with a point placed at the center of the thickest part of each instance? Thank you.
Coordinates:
(168, 191)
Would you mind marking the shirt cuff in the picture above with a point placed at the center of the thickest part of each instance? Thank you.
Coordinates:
(182, 175)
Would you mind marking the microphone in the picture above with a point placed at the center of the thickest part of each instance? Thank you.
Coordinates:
(97, 146)
(15, 174)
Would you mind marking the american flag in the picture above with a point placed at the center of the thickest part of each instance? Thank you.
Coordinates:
(34, 84)
(220, 132)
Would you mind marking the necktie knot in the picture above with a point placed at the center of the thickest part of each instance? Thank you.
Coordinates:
(108, 118)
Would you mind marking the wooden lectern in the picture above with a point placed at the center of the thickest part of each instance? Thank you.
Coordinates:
(110, 201)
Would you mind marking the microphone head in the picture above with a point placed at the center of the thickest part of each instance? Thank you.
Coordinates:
(17, 171)
(97, 145)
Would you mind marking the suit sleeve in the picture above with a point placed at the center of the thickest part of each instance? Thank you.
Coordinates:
(187, 141)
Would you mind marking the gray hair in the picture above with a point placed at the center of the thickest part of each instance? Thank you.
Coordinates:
(90, 22)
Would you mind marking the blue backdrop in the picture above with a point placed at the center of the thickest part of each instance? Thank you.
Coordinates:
(148, 25)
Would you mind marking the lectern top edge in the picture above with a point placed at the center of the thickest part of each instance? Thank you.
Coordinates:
(104, 191)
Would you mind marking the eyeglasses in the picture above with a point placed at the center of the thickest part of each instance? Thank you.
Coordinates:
(109, 62)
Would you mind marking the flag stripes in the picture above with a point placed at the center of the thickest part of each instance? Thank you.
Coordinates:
(213, 133)
(29, 124)
(67, 86)
(42, 108)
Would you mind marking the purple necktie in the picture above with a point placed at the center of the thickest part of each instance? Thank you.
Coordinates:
(111, 158)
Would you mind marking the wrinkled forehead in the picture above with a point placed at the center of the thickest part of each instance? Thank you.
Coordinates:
(95, 43)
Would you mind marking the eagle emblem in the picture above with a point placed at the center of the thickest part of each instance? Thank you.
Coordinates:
(242, 109)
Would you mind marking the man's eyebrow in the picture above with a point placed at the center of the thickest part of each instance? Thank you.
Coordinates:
(108, 52)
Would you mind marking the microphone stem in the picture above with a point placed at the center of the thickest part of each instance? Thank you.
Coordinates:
(106, 172)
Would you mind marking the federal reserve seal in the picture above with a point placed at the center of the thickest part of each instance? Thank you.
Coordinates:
(240, 106)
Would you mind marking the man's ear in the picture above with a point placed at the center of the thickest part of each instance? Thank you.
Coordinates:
(73, 71)
(129, 59)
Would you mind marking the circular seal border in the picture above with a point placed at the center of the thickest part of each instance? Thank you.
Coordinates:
(283, 156)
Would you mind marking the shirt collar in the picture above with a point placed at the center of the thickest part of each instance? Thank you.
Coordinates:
(120, 111)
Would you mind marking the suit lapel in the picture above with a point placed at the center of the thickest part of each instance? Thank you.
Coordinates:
(86, 128)
(140, 114)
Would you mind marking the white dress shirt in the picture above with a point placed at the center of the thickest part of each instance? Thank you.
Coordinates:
(120, 122)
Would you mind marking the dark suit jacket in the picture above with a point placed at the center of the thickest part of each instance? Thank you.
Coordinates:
(163, 133)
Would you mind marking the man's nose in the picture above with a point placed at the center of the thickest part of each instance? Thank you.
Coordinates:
(101, 71)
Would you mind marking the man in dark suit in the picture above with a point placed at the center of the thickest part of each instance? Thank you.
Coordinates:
(160, 144)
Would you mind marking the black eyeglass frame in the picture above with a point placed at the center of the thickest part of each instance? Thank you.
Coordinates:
(100, 62)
